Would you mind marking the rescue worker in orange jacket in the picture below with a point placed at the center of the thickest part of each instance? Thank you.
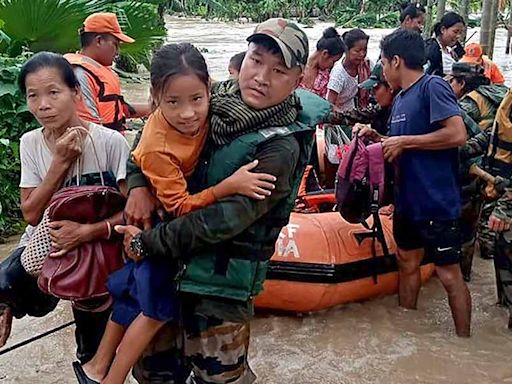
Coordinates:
(102, 103)
(475, 54)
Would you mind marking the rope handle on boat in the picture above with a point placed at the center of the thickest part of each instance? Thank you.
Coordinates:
(35, 338)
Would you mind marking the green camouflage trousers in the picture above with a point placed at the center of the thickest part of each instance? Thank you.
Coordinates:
(468, 226)
(486, 238)
(503, 267)
(202, 349)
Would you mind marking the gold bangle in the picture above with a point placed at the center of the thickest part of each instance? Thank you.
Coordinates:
(109, 229)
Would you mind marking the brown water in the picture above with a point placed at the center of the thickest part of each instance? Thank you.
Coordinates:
(219, 41)
(367, 343)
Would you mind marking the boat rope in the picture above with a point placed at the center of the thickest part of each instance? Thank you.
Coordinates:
(35, 338)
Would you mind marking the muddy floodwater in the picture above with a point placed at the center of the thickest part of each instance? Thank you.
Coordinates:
(363, 343)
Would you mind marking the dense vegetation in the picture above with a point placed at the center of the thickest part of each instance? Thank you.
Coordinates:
(15, 120)
(346, 13)
(364, 13)
(53, 24)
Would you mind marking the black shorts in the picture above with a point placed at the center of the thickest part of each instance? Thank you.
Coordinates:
(441, 239)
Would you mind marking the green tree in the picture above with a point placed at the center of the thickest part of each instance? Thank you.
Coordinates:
(463, 9)
(53, 24)
(441, 8)
(15, 119)
(485, 29)
(4, 38)
(493, 22)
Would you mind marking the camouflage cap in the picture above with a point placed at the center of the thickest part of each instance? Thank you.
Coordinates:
(376, 78)
(292, 40)
(461, 69)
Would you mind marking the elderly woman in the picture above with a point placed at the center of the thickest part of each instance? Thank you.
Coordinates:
(48, 162)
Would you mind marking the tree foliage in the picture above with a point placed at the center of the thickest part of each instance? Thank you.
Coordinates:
(347, 13)
(53, 24)
(15, 120)
(4, 38)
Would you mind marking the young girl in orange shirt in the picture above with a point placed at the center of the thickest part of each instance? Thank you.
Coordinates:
(173, 138)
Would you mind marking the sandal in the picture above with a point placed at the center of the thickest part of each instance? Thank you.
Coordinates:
(81, 375)
(5, 323)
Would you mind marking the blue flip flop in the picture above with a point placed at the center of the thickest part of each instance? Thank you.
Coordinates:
(81, 375)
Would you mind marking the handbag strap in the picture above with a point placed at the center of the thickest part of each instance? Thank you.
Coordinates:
(376, 165)
(343, 136)
(336, 132)
(79, 163)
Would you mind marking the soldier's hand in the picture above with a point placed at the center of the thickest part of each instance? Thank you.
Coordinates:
(498, 225)
(129, 232)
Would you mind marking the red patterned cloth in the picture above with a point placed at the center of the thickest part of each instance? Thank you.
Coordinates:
(363, 73)
(320, 84)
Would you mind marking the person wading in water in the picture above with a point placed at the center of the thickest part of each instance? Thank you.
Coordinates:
(425, 130)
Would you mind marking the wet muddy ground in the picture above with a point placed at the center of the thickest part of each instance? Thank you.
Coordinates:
(364, 343)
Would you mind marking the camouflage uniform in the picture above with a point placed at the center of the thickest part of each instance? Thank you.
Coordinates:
(485, 237)
(471, 203)
(483, 113)
(210, 342)
(503, 254)
(209, 346)
(476, 147)
(499, 244)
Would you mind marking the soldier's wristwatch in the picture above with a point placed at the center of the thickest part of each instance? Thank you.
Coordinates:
(137, 246)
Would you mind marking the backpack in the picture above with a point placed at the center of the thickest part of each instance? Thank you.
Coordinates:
(360, 186)
(360, 181)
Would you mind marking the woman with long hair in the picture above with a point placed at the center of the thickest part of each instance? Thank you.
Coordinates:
(412, 16)
(445, 49)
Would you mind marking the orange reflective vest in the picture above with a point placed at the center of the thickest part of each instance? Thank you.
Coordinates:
(110, 109)
(492, 71)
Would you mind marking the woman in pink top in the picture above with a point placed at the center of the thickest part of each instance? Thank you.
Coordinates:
(329, 49)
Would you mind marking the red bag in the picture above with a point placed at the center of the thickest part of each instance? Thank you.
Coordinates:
(82, 273)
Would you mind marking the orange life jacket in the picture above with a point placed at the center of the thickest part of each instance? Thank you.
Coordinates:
(491, 71)
(110, 104)
(499, 155)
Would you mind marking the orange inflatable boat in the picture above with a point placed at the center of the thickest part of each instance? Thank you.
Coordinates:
(321, 261)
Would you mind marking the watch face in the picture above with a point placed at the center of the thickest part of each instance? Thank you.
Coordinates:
(136, 245)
